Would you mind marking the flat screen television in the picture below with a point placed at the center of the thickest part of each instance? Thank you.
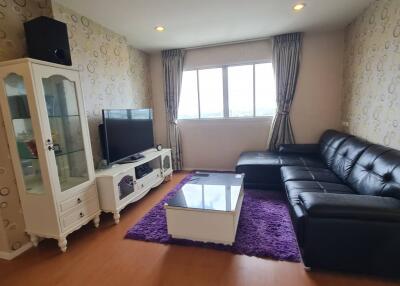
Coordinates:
(125, 133)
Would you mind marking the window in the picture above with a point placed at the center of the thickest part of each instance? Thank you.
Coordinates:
(228, 91)
(240, 91)
(211, 93)
(264, 90)
(189, 103)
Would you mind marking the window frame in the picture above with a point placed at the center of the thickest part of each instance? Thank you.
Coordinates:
(225, 94)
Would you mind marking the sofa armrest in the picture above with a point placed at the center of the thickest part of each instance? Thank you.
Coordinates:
(348, 206)
(308, 149)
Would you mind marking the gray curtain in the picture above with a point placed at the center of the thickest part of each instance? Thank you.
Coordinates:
(173, 68)
(285, 61)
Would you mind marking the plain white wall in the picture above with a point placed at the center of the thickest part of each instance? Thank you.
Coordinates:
(318, 99)
(216, 144)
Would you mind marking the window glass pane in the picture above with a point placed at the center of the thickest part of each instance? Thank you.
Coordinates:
(265, 90)
(240, 91)
(188, 102)
(211, 94)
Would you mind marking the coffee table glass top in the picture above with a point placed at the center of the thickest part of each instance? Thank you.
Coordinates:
(209, 191)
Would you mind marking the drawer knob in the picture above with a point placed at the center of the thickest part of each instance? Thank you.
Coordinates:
(81, 214)
(79, 200)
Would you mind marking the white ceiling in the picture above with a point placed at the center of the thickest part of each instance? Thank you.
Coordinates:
(191, 23)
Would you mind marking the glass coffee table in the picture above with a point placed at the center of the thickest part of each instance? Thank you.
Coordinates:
(206, 208)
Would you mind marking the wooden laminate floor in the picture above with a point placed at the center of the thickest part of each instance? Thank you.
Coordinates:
(103, 257)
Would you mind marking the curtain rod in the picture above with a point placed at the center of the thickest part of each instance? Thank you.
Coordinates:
(227, 43)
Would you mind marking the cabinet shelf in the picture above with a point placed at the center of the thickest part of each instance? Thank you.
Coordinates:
(69, 152)
(63, 116)
(26, 158)
(57, 154)
(21, 118)
(50, 116)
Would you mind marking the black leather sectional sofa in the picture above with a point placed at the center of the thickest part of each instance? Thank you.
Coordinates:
(344, 197)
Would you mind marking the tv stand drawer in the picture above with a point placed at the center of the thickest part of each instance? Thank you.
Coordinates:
(149, 180)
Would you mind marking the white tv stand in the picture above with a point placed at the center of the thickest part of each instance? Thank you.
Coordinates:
(118, 185)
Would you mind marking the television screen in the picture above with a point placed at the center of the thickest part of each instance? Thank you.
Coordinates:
(126, 132)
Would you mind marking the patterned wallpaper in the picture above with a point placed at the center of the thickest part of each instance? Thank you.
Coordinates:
(139, 73)
(113, 74)
(12, 45)
(372, 74)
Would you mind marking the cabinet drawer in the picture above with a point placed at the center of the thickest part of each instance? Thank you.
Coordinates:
(80, 213)
(149, 179)
(78, 199)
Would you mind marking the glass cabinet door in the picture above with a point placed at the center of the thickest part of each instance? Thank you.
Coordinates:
(66, 131)
(166, 163)
(24, 133)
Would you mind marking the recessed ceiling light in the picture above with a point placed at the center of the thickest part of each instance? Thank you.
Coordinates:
(159, 28)
(299, 6)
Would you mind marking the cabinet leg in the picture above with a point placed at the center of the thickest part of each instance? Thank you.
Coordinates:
(168, 178)
(62, 244)
(96, 221)
(116, 217)
(34, 240)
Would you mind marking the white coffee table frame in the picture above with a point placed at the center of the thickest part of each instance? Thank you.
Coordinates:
(204, 225)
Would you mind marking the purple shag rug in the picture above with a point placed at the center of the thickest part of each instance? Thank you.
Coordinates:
(264, 230)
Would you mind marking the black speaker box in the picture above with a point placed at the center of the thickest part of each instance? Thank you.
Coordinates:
(47, 40)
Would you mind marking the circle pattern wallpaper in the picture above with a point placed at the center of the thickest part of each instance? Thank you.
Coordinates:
(114, 74)
(12, 45)
(372, 74)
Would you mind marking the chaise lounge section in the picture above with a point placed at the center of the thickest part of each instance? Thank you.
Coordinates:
(344, 198)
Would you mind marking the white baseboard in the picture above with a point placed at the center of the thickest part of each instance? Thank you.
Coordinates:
(14, 253)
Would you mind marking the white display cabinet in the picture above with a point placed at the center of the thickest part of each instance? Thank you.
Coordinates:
(49, 141)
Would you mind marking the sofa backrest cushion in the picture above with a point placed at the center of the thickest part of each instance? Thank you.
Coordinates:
(377, 172)
(347, 155)
(329, 143)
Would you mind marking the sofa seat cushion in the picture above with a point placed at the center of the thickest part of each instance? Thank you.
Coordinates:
(300, 173)
(351, 206)
(262, 169)
(277, 159)
(295, 188)
(300, 149)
